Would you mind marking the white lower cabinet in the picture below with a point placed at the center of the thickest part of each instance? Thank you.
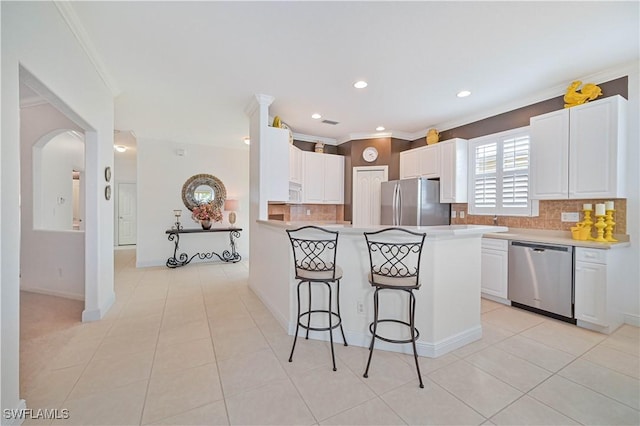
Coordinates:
(495, 264)
(597, 296)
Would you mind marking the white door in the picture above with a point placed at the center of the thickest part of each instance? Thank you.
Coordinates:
(126, 214)
(366, 194)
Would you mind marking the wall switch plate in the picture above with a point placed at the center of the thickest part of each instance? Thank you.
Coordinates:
(453, 214)
(461, 214)
(360, 307)
(569, 217)
(308, 212)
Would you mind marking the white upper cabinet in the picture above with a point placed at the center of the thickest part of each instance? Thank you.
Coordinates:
(420, 162)
(453, 171)
(550, 156)
(409, 164)
(333, 179)
(446, 160)
(323, 181)
(596, 149)
(277, 173)
(429, 161)
(578, 152)
(295, 164)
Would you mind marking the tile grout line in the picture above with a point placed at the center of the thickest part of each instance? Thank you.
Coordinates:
(289, 378)
(153, 360)
(213, 346)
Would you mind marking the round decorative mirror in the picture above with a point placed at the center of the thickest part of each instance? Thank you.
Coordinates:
(203, 189)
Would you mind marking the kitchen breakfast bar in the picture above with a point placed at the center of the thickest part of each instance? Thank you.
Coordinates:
(447, 304)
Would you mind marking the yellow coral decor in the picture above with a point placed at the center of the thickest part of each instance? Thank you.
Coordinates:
(574, 96)
(432, 136)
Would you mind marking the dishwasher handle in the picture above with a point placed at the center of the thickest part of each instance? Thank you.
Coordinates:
(541, 248)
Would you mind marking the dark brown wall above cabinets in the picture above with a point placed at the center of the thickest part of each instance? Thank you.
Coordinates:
(310, 146)
(388, 154)
(520, 117)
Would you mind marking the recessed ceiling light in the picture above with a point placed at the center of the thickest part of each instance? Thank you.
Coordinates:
(247, 141)
(316, 116)
(360, 84)
(463, 93)
(379, 128)
(120, 148)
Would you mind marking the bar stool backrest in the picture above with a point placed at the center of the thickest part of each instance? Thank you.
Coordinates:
(314, 249)
(395, 253)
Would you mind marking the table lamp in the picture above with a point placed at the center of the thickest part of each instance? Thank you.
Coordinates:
(231, 206)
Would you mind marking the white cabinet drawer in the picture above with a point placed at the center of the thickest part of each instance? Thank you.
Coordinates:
(495, 244)
(591, 255)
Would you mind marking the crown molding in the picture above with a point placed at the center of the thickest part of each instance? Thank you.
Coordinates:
(376, 135)
(612, 73)
(256, 101)
(75, 25)
(311, 138)
(32, 102)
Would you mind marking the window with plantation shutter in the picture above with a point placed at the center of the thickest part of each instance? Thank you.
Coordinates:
(499, 174)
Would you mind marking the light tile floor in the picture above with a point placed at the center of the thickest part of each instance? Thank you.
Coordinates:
(195, 346)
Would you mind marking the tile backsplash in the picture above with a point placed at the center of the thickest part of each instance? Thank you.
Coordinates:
(298, 212)
(549, 217)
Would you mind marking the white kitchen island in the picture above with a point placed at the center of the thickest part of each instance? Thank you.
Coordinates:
(447, 304)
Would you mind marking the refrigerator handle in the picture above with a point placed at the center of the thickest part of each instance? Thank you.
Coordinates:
(398, 222)
(394, 205)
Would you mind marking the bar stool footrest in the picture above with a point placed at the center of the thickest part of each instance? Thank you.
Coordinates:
(377, 336)
(319, 311)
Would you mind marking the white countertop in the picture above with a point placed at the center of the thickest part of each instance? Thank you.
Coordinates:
(440, 231)
(456, 231)
(555, 237)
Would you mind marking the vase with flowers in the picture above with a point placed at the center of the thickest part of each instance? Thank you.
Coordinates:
(205, 214)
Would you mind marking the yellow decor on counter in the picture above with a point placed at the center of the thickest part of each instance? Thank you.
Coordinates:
(574, 97)
(600, 225)
(432, 136)
(580, 232)
(276, 121)
(608, 231)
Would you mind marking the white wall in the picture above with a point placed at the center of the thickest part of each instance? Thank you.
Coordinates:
(57, 160)
(632, 283)
(51, 262)
(36, 38)
(124, 171)
(161, 175)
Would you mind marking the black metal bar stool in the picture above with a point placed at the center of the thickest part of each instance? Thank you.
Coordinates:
(394, 256)
(314, 256)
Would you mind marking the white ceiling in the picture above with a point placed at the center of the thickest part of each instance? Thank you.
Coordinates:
(187, 70)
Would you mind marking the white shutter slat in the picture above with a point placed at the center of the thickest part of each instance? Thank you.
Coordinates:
(499, 174)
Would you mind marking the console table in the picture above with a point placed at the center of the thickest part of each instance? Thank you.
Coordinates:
(184, 259)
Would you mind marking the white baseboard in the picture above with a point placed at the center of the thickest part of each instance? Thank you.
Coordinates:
(496, 299)
(632, 319)
(18, 419)
(284, 322)
(430, 350)
(89, 315)
(150, 263)
(50, 292)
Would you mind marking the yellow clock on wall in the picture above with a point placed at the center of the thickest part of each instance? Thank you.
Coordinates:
(370, 154)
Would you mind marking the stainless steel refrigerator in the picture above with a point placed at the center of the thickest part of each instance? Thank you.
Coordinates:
(413, 202)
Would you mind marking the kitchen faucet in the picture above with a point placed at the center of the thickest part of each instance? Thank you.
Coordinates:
(495, 219)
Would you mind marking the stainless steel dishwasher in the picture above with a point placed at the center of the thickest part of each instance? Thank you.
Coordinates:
(541, 278)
